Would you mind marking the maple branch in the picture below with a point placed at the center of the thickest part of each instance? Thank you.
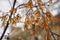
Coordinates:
(8, 21)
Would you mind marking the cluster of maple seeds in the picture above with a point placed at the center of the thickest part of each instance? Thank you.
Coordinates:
(37, 19)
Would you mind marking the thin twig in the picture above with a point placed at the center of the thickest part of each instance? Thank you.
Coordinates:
(10, 3)
(55, 34)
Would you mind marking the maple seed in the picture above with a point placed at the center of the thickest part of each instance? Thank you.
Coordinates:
(13, 10)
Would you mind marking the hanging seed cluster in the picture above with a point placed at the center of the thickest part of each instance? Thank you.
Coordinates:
(38, 18)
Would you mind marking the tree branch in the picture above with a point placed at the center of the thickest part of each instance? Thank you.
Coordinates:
(8, 21)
